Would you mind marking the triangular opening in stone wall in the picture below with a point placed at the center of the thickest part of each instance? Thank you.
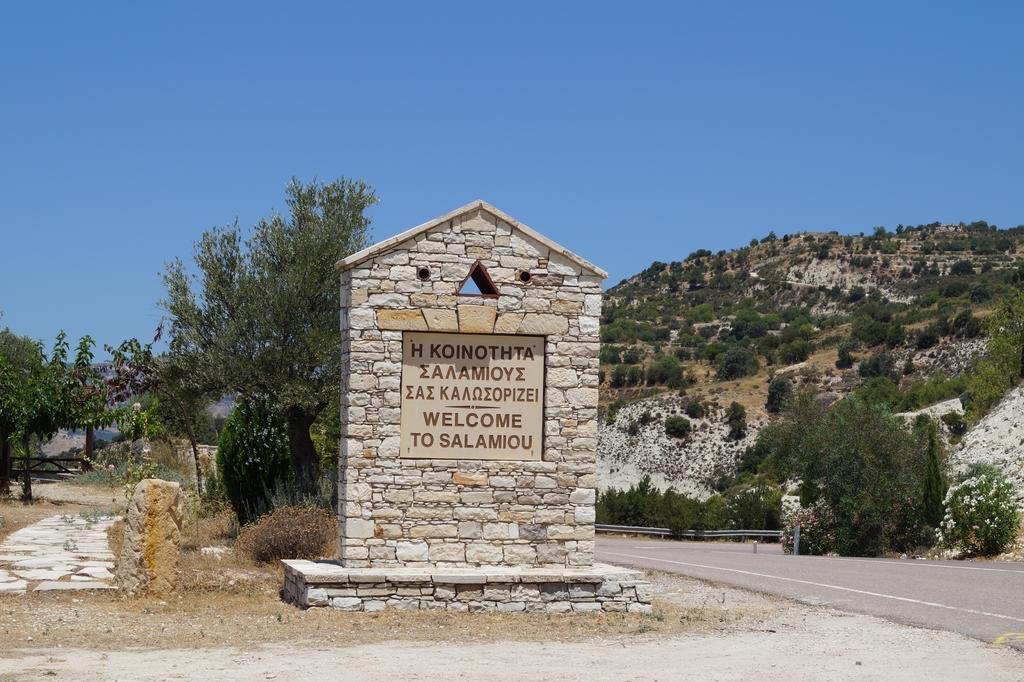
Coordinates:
(478, 283)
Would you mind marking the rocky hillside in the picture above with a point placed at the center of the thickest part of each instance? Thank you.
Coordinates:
(896, 315)
(998, 439)
(634, 443)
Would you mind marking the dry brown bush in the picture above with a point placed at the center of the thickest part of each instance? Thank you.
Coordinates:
(288, 533)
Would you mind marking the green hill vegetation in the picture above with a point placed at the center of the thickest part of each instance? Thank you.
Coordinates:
(822, 339)
(821, 297)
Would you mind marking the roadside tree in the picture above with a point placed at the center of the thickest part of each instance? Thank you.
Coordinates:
(261, 318)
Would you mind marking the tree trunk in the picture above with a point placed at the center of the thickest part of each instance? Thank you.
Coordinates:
(5, 465)
(90, 437)
(26, 485)
(195, 456)
(305, 460)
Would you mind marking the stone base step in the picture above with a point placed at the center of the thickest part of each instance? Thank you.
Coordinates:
(597, 588)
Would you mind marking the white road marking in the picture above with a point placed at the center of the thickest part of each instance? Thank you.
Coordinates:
(877, 562)
(825, 585)
(920, 564)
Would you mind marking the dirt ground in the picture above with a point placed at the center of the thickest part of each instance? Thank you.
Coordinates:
(229, 623)
(699, 631)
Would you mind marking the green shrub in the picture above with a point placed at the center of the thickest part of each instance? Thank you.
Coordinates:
(632, 355)
(844, 360)
(934, 483)
(864, 464)
(736, 362)
(252, 458)
(878, 365)
(879, 391)
(288, 533)
(780, 390)
(935, 388)
(644, 505)
(962, 267)
(736, 418)
(795, 351)
(677, 427)
(666, 369)
(113, 475)
(981, 515)
(695, 409)
(757, 507)
(624, 375)
(955, 288)
(872, 331)
(613, 411)
(927, 337)
(611, 355)
(955, 422)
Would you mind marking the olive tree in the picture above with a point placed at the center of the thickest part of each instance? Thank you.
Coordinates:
(260, 317)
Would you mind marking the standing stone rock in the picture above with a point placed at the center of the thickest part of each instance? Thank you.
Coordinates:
(149, 556)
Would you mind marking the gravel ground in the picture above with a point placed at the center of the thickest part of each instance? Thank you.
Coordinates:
(718, 633)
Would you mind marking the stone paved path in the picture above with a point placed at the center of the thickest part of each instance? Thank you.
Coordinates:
(58, 553)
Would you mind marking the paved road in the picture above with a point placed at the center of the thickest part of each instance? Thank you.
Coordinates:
(982, 600)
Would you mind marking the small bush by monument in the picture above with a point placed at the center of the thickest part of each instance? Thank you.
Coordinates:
(289, 533)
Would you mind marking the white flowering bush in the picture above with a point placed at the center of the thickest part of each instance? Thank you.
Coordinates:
(981, 517)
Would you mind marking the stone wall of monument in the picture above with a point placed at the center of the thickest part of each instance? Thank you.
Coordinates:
(429, 512)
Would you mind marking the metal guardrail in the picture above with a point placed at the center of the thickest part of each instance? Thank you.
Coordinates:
(635, 530)
(695, 534)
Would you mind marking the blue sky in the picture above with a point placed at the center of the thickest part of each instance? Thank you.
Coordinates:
(629, 132)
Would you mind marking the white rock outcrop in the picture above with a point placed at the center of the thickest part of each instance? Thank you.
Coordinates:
(689, 465)
(998, 439)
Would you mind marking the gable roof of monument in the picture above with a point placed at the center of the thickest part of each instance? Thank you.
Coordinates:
(387, 244)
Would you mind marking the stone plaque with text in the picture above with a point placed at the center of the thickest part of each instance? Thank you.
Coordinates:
(472, 396)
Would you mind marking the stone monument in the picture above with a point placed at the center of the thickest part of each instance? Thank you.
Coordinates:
(152, 534)
(470, 418)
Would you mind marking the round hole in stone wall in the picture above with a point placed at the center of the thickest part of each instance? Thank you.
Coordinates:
(524, 276)
(423, 273)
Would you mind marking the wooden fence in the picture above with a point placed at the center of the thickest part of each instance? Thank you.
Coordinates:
(47, 467)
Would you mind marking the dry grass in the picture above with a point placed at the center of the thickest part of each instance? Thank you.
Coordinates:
(241, 619)
(217, 530)
(228, 600)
